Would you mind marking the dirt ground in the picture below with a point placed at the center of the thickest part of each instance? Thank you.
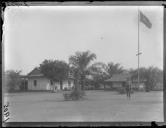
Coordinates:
(97, 106)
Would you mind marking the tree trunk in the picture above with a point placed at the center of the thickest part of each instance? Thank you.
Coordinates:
(82, 82)
(76, 84)
(61, 84)
(53, 86)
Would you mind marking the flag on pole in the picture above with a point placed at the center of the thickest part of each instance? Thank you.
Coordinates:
(145, 20)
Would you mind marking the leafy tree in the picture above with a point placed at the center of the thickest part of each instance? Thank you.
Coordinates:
(154, 75)
(79, 63)
(12, 80)
(114, 68)
(99, 72)
(55, 70)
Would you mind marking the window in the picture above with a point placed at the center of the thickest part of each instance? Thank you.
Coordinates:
(35, 82)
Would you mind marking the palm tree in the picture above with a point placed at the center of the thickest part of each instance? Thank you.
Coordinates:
(79, 63)
(114, 69)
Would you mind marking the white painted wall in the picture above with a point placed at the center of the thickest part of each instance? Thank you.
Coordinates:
(42, 84)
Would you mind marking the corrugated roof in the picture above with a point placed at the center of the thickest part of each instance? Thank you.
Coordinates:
(119, 78)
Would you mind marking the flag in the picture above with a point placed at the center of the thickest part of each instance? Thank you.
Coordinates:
(145, 20)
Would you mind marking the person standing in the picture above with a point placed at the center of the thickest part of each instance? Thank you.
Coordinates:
(128, 89)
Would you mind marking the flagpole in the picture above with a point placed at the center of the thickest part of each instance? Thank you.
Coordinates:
(141, 18)
(138, 45)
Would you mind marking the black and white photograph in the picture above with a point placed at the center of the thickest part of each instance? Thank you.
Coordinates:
(83, 64)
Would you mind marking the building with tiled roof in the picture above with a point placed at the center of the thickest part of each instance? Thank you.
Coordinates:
(118, 80)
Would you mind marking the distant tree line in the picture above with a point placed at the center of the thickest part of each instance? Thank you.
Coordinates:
(152, 75)
(80, 67)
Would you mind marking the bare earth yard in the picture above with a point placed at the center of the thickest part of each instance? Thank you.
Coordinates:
(97, 106)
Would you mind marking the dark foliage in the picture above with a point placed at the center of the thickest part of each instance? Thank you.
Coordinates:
(55, 70)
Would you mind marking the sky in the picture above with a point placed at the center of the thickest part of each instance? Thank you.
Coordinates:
(35, 33)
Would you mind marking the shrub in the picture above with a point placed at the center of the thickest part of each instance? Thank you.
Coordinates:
(74, 95)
